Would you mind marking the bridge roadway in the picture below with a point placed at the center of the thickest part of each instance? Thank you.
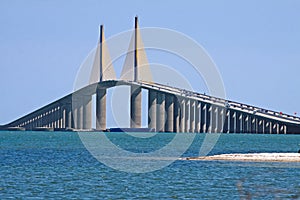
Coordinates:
(170, 109)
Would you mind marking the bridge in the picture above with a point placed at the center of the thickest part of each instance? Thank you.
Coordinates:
(170, 109)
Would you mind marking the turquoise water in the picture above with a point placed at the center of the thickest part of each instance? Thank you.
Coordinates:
(56, 165)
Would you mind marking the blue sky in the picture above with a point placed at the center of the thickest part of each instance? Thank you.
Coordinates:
(255, 45)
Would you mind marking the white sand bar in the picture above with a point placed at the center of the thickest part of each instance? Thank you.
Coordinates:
(254, 157)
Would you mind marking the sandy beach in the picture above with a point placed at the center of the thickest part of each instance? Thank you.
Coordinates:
(254, 157)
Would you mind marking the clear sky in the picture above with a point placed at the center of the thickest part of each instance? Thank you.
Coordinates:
(255, 44)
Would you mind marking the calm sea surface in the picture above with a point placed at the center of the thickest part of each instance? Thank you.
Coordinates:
(56, 165)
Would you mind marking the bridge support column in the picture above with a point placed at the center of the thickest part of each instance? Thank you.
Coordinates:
(254, 125)
(209, 116)
(177, 111)
(192, 116)
(182, 115)
(64, 116)
(170, 113)
(80, 116)
(152, 101)
(226, 121)
(214, 118)
(268, 127)
(233, 121)
(187, 115)
(160, 112)
(203, 117)
(87, 112)
(221, 119)
(101, 109)
(135, 106)
(238, 122)
(70, 120)
(275, 128)
(197, 117)
(261, 126)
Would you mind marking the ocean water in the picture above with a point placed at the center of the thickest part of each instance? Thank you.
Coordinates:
(56, 165)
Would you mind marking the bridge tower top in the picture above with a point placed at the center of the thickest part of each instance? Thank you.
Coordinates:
(100, 52)
(135, 49)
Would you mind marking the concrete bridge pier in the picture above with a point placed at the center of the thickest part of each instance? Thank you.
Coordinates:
(177, 112)
(182, 114)
(87, 112)
(135, 106)
(160, 117)
(261, 126)
(192, 116)
(254, 124)
(203, 116)
(234, 121)
(214, 119)
(197, 116)
(80, 115)
(275, 128)
(238, 122)
(152, 101)
(226, 121)
(169, 112)
(187, 116)
(209, 117)
(101, 109)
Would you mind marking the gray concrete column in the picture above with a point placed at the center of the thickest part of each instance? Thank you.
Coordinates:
(243, 123)
(248, 127)
(253, 123)
(70, 121)
(192, 116)
(275, 128)
(170, 113)
(187, 116)
(182, 115)
(52, 116)
(197, 117)
(268, 127)
(221, 119)
(238, 122)
(260, 126)
(75, 107)
(64, 117)
(135, 106)
(209, 116)
(214, 118)
(101, 109)
(152, 101)
(87, 112)
(80, 116)
(160, 117)
(203, 118)
(176, 114)
(226, 120)
(234, 121)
